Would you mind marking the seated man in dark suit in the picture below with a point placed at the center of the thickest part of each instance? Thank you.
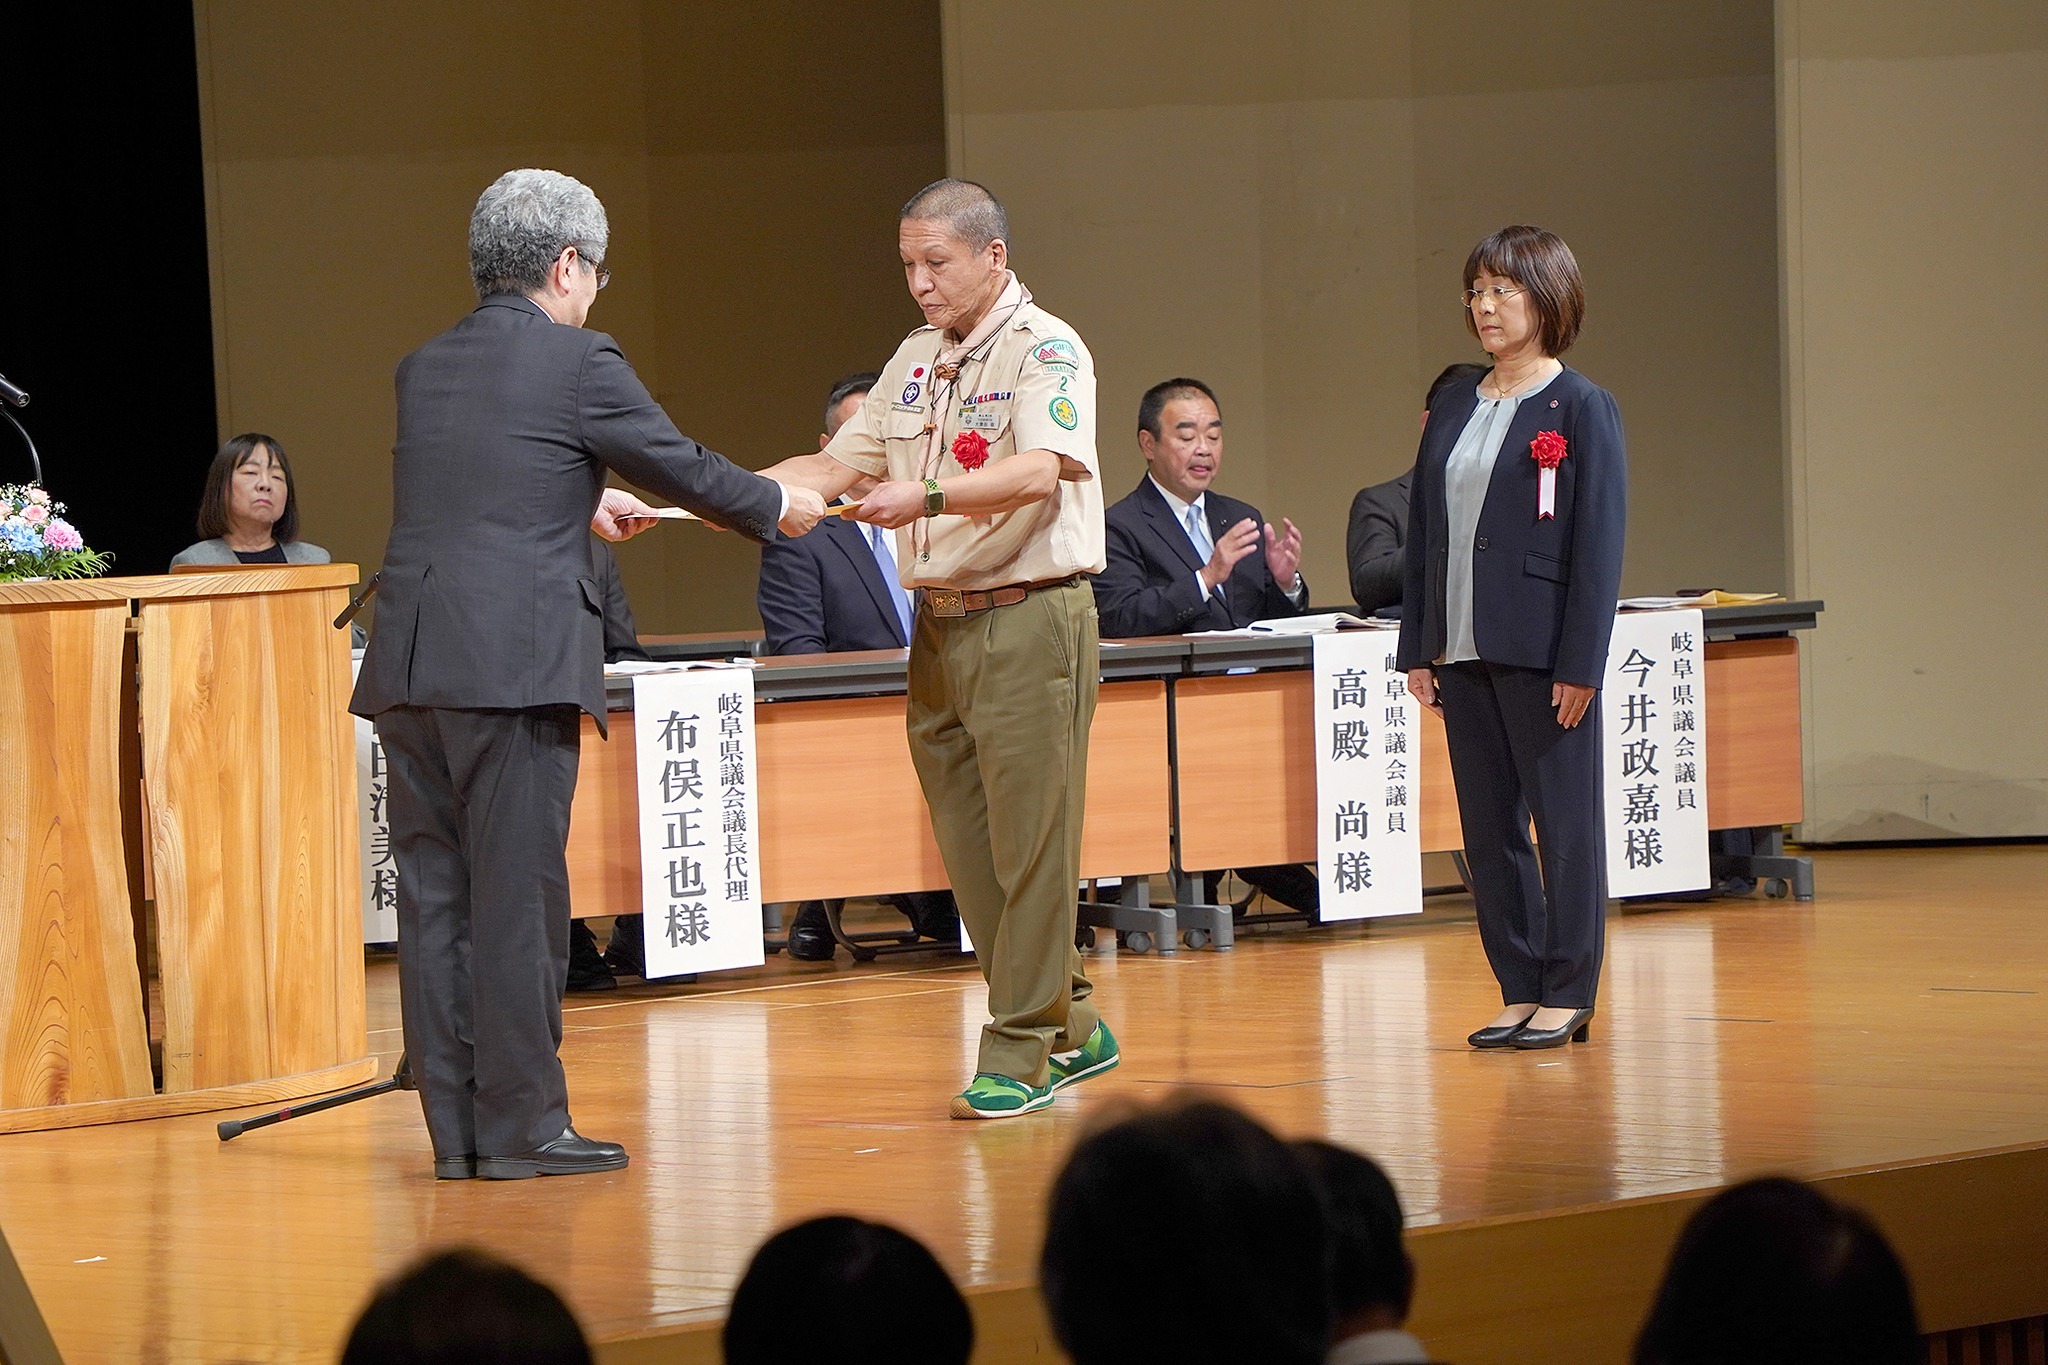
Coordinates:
(1183, 557)
(833, 590)
(1379, 523)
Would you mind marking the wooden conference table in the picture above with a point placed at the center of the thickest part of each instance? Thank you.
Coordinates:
(1200, 759)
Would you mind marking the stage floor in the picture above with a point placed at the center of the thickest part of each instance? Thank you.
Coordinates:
(1899, 1017)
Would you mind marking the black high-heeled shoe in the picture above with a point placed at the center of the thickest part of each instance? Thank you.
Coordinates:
(1497, 1035)
(1576, 1029)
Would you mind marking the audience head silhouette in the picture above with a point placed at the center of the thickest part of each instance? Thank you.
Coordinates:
(1772, 1273)
(847, 1291)
(1372, 1281)
(463, 1307)
(1187, 1233)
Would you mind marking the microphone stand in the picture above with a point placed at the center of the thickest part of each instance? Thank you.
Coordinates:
(35, 460)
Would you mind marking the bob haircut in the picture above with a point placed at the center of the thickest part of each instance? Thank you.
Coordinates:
(213, 503)
(1543, 265)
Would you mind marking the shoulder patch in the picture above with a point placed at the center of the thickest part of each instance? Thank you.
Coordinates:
(1062, 410)
(1058, 351)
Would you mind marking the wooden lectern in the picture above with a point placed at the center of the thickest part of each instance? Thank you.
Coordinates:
(181, 742)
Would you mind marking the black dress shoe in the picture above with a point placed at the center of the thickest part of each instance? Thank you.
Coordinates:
(461, 1167)
(810, 935)
(569, 1154)
(1576, 1029)
(1494, 1035)
(626, 952)
(587, 971)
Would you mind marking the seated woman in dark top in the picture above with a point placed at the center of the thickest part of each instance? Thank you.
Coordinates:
(249, 513)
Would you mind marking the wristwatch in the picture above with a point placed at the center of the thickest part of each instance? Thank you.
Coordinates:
(934, 498)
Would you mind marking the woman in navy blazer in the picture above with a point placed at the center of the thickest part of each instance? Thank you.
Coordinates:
(1513, 567)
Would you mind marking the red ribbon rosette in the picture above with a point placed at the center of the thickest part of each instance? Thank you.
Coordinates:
(1548, 451)
(970, 448)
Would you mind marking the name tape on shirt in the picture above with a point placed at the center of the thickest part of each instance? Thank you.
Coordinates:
(1058, 351)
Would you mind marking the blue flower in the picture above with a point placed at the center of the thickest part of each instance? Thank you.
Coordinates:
(19, 537)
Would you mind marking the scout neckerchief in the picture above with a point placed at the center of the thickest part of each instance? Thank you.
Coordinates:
(946, 367)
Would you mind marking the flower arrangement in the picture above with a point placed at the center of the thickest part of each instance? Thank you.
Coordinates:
(36, 541)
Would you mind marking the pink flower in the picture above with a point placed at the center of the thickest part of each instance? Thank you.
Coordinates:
(35, 514)
(61, 535)
(37, 495)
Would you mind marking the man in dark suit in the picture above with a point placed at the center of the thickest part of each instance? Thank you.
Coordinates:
(831, 591)
(1379, 522)
(1183, 557)
(489, 641)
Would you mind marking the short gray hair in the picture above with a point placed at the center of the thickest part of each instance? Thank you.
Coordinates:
(523, 221)
(968, 209)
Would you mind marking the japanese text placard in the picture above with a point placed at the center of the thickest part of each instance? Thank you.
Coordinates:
(1654, 726)
(1368, 778)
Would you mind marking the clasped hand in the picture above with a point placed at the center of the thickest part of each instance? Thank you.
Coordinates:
(1283, 552)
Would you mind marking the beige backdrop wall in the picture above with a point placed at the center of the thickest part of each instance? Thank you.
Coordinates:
(1279, 199)
(751, 160)
(1915, 174)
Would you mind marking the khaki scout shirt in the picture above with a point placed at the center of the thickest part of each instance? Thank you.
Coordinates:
(1033, 388)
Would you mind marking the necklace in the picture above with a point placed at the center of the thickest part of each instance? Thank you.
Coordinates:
(1522, 383)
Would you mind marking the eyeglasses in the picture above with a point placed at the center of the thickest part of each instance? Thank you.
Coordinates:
(1500, 293)
(604, 276)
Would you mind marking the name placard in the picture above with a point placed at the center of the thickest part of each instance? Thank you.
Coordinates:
(373, 829)
(1654, 723)
(1368, 778)
(700, 887)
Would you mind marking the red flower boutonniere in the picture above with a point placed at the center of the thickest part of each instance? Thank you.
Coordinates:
(970, 448)
(1548, 451)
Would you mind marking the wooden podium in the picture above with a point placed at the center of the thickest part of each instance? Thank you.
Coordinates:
(181, 743)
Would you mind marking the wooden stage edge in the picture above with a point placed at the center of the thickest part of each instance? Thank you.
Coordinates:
(1594, 1268)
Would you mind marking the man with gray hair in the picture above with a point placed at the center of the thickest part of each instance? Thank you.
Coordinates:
(982, 428)
(490, 641)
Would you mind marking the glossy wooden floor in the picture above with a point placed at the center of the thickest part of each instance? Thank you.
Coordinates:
(1900, 1017)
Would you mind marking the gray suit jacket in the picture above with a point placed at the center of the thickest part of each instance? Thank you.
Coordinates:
(216, 551)
(506, 425)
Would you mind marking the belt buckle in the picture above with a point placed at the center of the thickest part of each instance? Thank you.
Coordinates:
(945, 602)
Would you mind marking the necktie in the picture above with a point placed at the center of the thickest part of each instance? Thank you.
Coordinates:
(886, 562)
(1199, 534)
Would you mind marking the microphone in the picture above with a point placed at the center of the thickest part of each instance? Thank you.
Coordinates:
(11, 392)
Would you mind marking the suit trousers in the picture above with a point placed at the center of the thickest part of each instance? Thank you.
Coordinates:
(480, 830)
(1542, 916)
(999, 709)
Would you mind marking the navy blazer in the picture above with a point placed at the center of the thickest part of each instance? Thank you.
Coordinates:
(506, 425)
(1543, 592)
(1147, 586)
(823, 592)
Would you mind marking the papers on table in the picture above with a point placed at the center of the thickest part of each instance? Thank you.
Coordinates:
(1297, 625)
(1715, 598)
(627, 668)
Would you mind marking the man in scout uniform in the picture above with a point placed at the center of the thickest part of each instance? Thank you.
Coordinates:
(982, 429)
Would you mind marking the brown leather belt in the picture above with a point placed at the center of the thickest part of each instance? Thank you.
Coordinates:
(952, 602)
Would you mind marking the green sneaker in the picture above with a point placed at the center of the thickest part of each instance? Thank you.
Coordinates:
(1092, 1058)
(999, 1097)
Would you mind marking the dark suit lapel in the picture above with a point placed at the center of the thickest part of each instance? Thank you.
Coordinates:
(850, 539)
(1166, 527)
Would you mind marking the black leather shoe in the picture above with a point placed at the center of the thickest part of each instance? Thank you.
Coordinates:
(455, 1167)
(587, 971)
(1494, 1035)
(1576, 1029)
(626, 953)
(569, 1154)
(810, 936)
(1500, 1035)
